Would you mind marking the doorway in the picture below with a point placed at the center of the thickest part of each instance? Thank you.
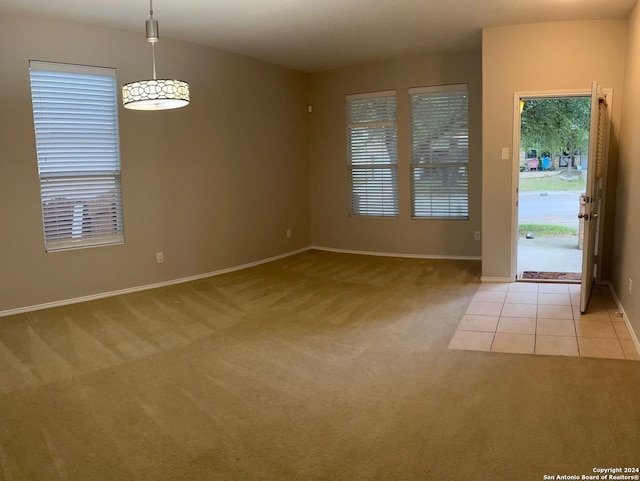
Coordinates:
(552, 167)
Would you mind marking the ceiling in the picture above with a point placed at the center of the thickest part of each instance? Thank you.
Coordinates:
(316, 35)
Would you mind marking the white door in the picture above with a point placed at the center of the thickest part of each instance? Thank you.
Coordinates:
(597, 150)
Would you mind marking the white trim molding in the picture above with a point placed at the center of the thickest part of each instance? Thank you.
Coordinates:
(102, 295)
(495, 279)
(396, 254)
(634, 337)
(515, 160)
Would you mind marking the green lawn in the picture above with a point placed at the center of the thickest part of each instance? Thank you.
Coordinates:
(555, 183)
(543, 230)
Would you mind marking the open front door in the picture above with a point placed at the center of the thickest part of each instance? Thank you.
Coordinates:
(598, 133)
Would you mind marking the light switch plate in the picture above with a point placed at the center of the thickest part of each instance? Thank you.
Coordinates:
(505, 153)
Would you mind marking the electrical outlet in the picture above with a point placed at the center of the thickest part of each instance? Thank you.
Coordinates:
(288, 233)
(159, 257)
(630, 285)
(476, 235)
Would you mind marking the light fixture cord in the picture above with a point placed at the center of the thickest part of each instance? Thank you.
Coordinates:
(153, 44)
(153, 59)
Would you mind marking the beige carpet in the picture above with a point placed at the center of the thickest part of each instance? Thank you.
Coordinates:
(320, 366)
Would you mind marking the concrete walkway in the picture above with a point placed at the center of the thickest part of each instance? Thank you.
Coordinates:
(559, 254)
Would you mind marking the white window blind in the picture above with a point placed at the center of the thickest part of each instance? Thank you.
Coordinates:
(440, 152)
(78, 149)
(373, 153)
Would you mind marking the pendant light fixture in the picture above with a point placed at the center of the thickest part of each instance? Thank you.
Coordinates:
(155, 94)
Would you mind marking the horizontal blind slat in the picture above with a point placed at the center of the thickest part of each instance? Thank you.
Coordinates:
(373, 154)
(78, 151)
(439, 152)
(440, 191)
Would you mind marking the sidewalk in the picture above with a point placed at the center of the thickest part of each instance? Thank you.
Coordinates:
(560, 254)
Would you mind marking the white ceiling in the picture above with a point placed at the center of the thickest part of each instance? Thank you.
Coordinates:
(316, 35)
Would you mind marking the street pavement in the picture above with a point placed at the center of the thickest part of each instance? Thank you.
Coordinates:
(555, 208)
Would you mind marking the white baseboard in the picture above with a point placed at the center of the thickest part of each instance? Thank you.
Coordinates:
(102, 295)
(495, 279)
(394, 254)
(634, 337)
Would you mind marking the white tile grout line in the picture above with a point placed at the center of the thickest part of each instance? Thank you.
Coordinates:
(617, 301)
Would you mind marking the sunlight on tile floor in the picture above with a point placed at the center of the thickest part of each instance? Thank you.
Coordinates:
(539, 318)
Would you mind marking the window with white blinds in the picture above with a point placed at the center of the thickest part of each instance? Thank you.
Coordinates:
(373, 153)
(440, 152)
(78, 149)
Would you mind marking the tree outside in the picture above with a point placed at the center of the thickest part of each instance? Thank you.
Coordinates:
(556, 127)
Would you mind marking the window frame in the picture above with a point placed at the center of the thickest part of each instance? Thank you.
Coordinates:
(462, 148)
(391, 166)
(78, 155)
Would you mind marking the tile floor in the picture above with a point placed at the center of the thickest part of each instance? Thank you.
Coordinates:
(544, 318)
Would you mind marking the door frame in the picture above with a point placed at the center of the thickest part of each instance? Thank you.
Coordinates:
(515, 178)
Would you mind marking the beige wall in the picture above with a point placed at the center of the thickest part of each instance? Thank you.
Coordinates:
(331, 225)
(626, 260)
(538, 57)
(213, 185)
(216, 185)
